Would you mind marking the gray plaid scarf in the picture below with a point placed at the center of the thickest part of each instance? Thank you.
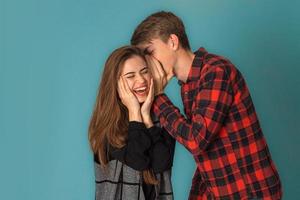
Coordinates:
(120, 182)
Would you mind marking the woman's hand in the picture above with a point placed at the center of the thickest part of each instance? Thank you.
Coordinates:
(129, 100)
(146, 107)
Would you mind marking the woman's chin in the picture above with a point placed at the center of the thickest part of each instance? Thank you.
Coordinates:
(141, 100)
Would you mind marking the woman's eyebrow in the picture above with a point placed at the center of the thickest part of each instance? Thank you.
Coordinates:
(144, 68)
(128, 73)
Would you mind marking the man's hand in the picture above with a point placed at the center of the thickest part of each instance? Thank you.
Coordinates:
(161, 78)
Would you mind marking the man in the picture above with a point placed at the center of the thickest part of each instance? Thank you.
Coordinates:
(221, 128)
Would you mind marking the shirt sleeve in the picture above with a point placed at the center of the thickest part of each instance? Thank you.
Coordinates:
(135, 153)
(162, 149)
(211, 105)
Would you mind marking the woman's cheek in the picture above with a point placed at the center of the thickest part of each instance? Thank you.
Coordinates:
(130, 85)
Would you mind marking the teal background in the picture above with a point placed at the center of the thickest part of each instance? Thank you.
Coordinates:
(52, 54)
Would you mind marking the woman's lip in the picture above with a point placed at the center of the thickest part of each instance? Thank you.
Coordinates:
(144, 93)
(141, 95)
(139, 88)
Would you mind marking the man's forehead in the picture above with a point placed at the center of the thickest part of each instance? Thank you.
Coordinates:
(145, 45)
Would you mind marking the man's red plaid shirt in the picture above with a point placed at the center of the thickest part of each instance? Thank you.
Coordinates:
(222, 131)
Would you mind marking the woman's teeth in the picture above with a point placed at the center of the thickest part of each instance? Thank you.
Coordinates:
(140, 90)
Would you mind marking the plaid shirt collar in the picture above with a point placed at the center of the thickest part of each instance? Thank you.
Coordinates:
(195, 70)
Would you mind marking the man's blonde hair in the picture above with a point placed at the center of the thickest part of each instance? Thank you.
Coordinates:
(160, 25)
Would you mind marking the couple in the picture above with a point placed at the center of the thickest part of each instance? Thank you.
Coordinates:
(134, 124)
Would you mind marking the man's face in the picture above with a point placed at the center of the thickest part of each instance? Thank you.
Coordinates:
(163, 52)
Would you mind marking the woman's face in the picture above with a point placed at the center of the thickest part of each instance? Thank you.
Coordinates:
(137, 75)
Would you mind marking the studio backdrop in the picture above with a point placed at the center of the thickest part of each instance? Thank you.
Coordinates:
(52, 53)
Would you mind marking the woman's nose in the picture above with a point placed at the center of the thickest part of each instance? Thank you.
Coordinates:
(141, 79)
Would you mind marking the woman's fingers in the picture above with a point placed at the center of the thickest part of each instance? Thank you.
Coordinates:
(146, 107)
(151, 89)
(121, 89)
(126, 86)
(150, 93)
(128, 91)
(119, 86)
(127, 97)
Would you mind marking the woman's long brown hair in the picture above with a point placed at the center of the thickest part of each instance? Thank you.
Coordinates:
(109, 121)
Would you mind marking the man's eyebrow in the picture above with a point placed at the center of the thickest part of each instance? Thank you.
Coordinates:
(146, 50)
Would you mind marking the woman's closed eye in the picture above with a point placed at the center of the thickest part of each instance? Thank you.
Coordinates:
(130, 76)
(144, 71)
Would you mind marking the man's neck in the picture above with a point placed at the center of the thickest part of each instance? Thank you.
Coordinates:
(184, 63)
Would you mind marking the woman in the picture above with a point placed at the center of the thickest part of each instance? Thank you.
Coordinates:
(133, 156)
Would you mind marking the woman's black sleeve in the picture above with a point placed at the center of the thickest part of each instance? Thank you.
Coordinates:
(135, 153)
(162, 149)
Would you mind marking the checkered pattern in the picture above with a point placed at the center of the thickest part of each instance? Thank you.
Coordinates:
(222, 131)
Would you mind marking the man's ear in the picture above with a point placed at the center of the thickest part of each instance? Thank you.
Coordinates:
(174, 42)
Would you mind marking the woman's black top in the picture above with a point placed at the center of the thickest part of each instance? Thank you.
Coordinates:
(146, 148)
